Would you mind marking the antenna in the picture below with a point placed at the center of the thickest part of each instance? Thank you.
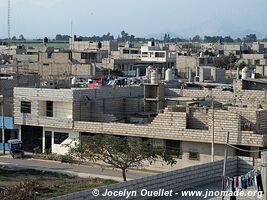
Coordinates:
(8, 20)
(71, 34)
(71, 28)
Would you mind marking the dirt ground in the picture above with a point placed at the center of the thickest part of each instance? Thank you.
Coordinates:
(46, 184)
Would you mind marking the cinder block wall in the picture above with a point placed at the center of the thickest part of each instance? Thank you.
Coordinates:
(177, 180)
(262, 118)
(198, 118)
(219, 95)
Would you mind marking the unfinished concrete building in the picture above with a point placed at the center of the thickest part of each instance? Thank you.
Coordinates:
(65, 115)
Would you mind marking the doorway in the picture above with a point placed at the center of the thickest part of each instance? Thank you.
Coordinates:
(48, 142)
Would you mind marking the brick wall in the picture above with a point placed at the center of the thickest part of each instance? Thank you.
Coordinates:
(262, 118)
(108, 92)
(177, 180)
(172, 124)
(198, 119)
(218, 94)
(35, 96)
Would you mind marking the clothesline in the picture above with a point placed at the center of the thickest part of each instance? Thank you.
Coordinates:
(250, 151)
(238, 183)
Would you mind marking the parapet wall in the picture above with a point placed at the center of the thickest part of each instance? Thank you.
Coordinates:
(218, 94)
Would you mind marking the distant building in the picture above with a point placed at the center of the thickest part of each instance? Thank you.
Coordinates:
(210, 74)
(83, 46)
(153, 53)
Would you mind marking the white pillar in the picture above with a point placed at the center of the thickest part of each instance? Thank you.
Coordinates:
(19, 136)
(52, 142)
(43, 142)
(137, 72)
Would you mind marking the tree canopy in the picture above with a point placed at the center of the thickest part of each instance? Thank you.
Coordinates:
(120, 152)
(226, 62)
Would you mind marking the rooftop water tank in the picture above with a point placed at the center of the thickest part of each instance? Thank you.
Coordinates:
(246, 73)
(154, 77)
(169, 75)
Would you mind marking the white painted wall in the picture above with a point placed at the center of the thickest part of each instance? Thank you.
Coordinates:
(60, 148)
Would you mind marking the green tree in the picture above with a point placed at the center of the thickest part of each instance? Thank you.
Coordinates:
(226, 62)
(250, 38)
(21, 37)
(120, 152)
(241, 65)
(197, 38)
(228, 39)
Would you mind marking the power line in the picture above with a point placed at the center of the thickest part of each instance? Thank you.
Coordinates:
(249, 151)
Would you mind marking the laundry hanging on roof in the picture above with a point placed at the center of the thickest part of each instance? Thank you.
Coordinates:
(251, 179)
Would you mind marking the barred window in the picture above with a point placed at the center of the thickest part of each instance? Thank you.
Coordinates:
(25, 107)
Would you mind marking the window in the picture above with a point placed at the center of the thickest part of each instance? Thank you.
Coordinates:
(144, 54)
(135, 52)
(193, 156)
(49, 108)
(60, 137)
(201, 61)
(25, 107)
(160, 55)
(84, 56)
(126, 51)
(49, 55)
(257, 62)
(173, 148)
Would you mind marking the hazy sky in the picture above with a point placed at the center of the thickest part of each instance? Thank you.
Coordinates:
(39, 18)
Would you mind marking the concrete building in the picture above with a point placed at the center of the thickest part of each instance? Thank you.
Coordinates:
(55, 64)
(227, 49)
(12, 50)
(83, 46)
(45, 117)
(210, 74)
(187, 63)
(63, 115)
(124, 59)
(7, 83)
(153, 53)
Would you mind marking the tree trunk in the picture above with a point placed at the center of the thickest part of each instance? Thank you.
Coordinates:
(124, 174)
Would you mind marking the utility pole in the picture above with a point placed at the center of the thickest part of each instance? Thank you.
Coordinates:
(8, 21)
(225, 162)
(3, 125)
(213, 136)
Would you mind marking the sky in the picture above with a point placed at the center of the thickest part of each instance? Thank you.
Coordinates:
(186, 18)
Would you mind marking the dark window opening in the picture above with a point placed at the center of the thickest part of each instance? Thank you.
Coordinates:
(193, 156)
(25, 107)
(160, 55)
(135, 52)
(60, 137)
(173, 147)
(49, 108)
(126, 51)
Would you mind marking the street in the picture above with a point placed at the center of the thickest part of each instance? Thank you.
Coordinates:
(71, 169)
